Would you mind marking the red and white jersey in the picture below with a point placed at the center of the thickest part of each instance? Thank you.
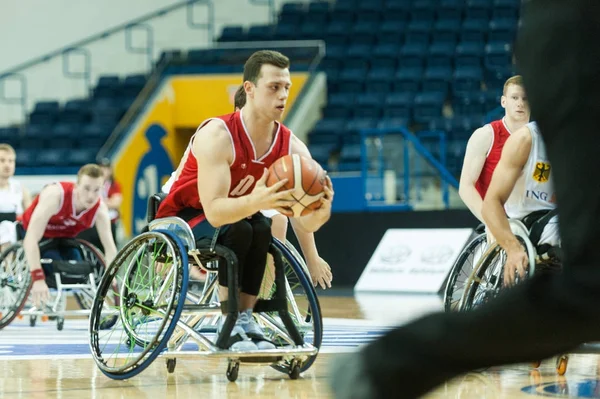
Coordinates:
(245, 169)
(500, 135)
(65, 223)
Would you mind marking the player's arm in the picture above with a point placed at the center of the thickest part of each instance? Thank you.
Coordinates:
(313, 221)
(48, 205)
(214, 153)
(105, 233)
(514, 157)
(475, 155)
(26, 198)
(115, 198)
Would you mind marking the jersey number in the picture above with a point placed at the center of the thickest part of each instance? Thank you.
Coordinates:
(243, 186)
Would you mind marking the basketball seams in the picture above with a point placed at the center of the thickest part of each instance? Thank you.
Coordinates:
(314, 180)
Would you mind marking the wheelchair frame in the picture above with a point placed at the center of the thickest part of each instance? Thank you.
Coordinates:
(202, 312)
(57, 308)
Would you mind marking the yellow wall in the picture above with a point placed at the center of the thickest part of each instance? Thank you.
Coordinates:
(152, 149)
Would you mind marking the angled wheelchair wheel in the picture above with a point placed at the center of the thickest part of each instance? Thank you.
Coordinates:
(461, 270)
(149, 276)
(303, 307)
(487, 280)
(91, 254)
(15, 283)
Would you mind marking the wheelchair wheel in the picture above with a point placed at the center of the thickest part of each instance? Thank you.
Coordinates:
(85, 297)
(487, 279)
(461, 270)
(15, 283)
(303, 307)
(150, 275)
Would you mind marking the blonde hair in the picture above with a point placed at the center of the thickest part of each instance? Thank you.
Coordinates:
(92, 170)
(514, 80)
(7, 147)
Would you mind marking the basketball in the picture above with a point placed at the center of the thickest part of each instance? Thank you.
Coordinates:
(305, 176)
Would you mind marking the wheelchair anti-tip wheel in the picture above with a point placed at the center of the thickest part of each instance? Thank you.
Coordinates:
(150, 275)
(15, 283)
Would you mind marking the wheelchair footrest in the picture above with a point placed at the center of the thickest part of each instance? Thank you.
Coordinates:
(257, 356)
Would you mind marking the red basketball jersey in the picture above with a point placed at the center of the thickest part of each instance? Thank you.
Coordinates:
(246, 168)
(65, 223)
(501, 134)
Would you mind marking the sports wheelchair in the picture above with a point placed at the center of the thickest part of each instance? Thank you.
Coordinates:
(157, 315)
(78, 277)
(485, 276)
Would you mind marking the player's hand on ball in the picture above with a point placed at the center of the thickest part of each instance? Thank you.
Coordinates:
(320, 273)
(327, 198)
(269, 198)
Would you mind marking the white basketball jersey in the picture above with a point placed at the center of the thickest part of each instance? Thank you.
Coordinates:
(534, 190)
(11, 197)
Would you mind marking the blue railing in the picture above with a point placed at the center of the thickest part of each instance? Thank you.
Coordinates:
(409, 138)
(15, 74)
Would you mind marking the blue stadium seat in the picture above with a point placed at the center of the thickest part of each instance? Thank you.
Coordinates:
(350, 153)
(413, 55)
(419, 31)
(260, 33)
(497, 55)
(393, 122)
(428, 105)
(478, 9)
(450, 10)
(386, 55)
(53, 157)
(423, 10)
(408, 79)
(369, 106)
(502, 30)
(474, 30)
(467, 79)
(440, 55)
(318, 7)
(26, 157)
(286, 31)
(469, 54)
(496, 77)
(437, 79)
(470, 104)
(312, 30)
(506, 9)
(399, 106)
(82, 156)
(9, 135)
(397, 10)
(446, 31)
(67, 130)
(380, 80)
(232, 34)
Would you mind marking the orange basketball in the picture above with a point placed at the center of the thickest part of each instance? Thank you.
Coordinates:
(305, 176)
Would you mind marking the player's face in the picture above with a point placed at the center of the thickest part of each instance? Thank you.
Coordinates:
(89, 189)
(515, 103)
(7, 164)
(271, 91)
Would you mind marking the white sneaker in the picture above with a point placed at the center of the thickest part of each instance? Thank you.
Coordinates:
(238, 340)
(253, 330)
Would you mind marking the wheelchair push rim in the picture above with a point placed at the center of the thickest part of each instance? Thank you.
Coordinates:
(15, 283)
(150, 275)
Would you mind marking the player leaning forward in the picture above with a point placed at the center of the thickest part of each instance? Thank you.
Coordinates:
(220, 183)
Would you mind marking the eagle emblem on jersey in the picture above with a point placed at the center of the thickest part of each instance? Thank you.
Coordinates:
(541, 173)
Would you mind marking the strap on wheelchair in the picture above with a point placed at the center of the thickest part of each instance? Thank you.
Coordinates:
(536, 222)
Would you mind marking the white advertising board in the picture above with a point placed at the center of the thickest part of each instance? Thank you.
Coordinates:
(412, 260)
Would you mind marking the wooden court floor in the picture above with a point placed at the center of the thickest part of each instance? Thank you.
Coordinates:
(64, 376)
